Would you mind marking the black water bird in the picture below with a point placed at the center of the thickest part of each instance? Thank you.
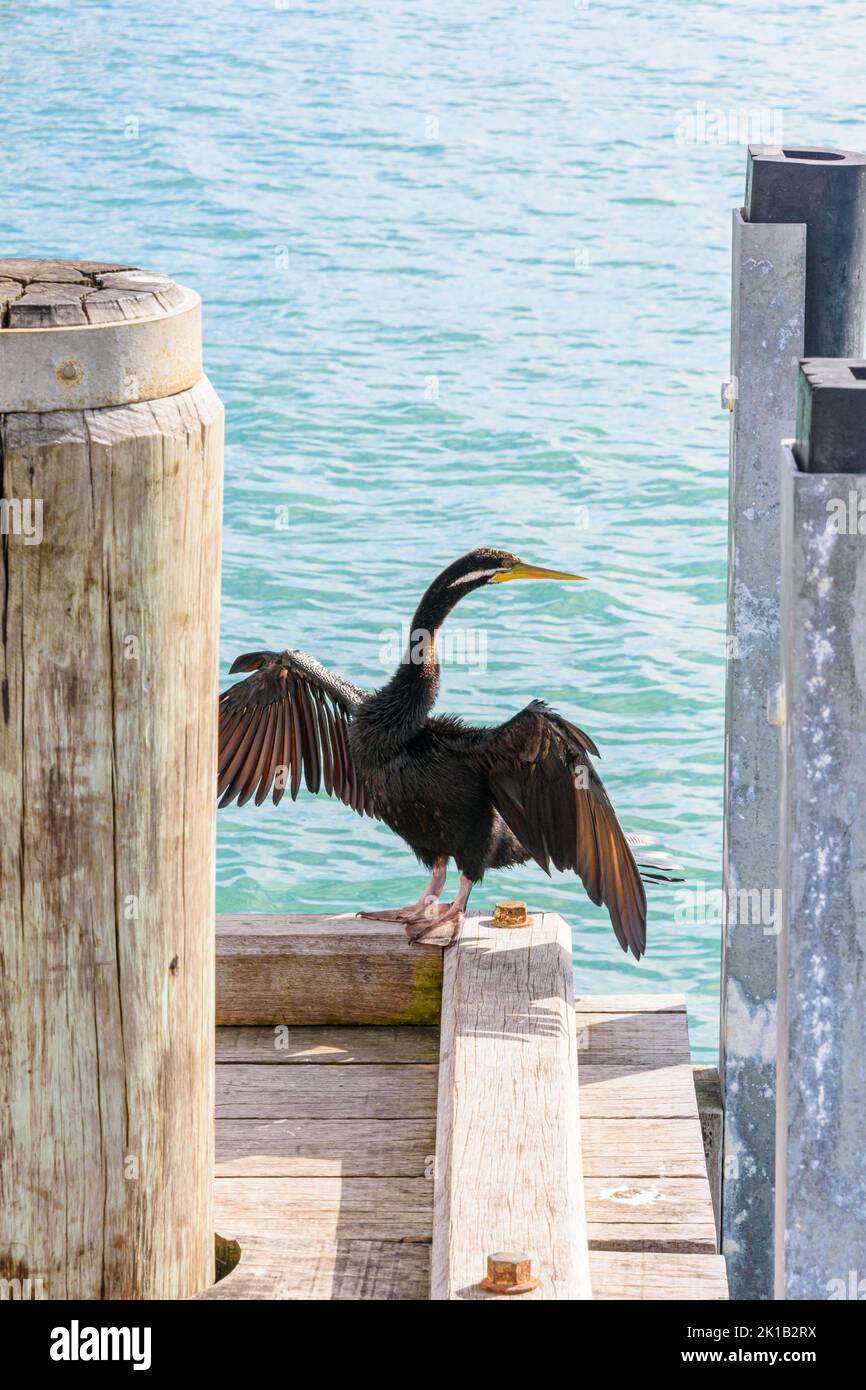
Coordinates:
(489, 798)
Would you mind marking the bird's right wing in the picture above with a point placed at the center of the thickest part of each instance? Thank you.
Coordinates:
(551, 797)
(289, 718)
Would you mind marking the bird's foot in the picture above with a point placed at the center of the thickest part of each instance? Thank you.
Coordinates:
(390, 914)
(429, 909)
(439, 929)
(428, 912)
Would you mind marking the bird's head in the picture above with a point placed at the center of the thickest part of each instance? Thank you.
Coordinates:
(420, 666)
(485, 566)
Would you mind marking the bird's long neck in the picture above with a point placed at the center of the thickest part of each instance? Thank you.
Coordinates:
(403, 705)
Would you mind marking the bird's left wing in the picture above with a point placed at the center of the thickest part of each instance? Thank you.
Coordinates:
(289, 718)
(550, 796)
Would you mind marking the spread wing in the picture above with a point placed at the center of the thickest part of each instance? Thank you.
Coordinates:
(550, 796)
(289, 718)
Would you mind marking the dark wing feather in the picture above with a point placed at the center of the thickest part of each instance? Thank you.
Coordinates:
(552, 799)
(288, 720)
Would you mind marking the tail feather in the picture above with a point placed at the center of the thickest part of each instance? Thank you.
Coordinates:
(657, 866)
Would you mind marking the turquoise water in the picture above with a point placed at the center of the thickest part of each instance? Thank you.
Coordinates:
(466, 281)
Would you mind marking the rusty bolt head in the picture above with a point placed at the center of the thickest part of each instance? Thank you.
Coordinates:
(509, 1272)
(70, 372)
(511, 914)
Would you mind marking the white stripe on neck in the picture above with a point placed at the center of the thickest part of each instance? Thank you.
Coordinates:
(473, 574)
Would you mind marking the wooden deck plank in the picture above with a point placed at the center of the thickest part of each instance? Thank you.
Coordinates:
(325, 1209)
(291, 1044)
(326, 1148)
(279, 1267)
(637, 1275)
(393, 1091)
(642, 1147)
(618, 1090)
(677, 1237)
(646, 1179)
(508, 1135)
(335, 1207)
(323, 969)
(632, 1037)
(630, 1003)
(649, 1201)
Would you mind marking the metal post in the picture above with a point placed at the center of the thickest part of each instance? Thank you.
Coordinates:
(799, 256)
(769, 267)
(821, 1101)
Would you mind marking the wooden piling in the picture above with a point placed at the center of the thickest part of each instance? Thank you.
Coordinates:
(111, 499)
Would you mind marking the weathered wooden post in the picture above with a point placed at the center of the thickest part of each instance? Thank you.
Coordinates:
(821, 1098)
(111, 500)
(799, 275)
(509, 1166)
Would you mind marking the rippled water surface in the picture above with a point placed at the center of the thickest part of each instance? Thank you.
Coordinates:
(466, 280)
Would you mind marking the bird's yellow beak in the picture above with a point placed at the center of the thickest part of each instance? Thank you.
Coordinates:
(521, 571)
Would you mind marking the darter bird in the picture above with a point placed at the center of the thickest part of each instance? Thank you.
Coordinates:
(488, 798)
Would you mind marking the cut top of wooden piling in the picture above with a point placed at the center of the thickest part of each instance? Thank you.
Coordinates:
(85, 335)
(56, 294)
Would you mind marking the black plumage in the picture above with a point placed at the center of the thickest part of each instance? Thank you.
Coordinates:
(489, 798)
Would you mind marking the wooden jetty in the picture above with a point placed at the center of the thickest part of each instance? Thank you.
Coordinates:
(387, 1119)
